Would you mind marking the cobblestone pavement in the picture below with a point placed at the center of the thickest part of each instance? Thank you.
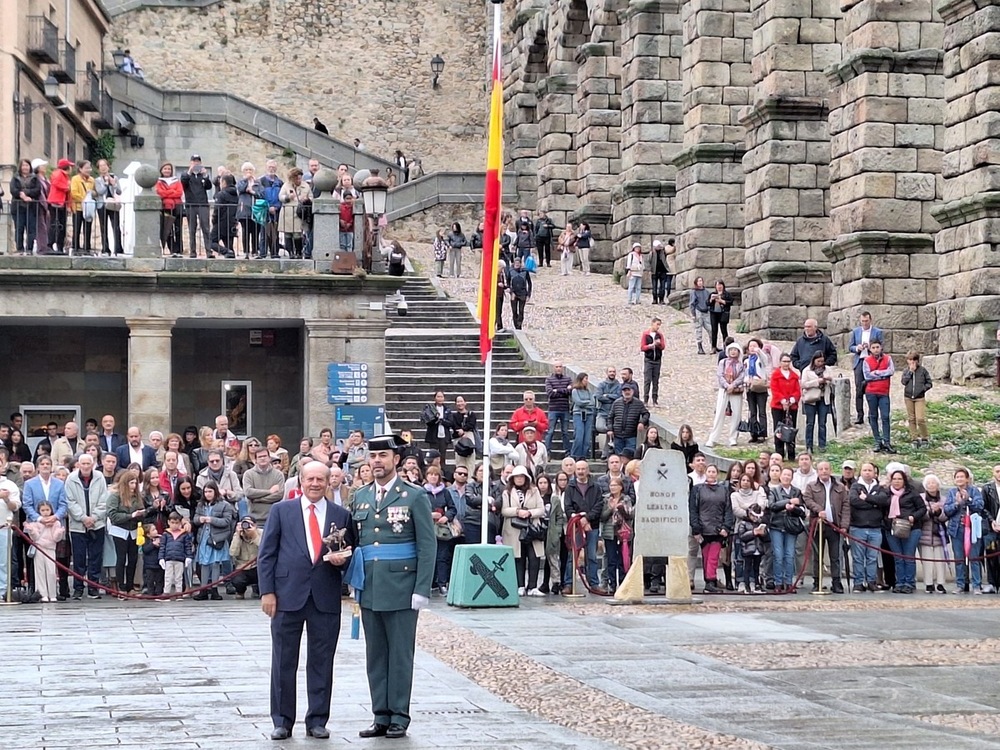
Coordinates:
(584, 321)
(585, 676)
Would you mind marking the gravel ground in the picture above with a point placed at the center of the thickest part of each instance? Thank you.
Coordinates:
(546, 693)
(890, 653)
(988, 724)
(585, 322)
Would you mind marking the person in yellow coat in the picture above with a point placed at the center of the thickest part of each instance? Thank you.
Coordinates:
(83, 205)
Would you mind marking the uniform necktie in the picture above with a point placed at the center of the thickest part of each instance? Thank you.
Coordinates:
(314, 533)
(379, 495)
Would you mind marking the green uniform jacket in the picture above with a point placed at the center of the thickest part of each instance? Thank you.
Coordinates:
(404, 516)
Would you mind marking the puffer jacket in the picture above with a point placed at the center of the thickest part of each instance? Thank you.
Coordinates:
(221, 526)
(916, 383)
(935, 525)
(711, 509)
(626, 416)
(753, 544)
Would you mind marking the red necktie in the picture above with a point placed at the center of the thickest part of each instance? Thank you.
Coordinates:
(314, 533)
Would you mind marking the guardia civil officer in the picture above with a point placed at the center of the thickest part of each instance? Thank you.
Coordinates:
(391, 571)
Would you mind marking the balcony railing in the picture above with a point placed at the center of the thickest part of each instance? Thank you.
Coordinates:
(43, 40)
(105, 117)
(88, 92)
(65, 70)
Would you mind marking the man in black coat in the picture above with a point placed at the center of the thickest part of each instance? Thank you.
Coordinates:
(583, 498)
(812, 341)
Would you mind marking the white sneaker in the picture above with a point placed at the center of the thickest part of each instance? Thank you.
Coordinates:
(521, 591)
(742, 588)
(988, 589)
(535, 592)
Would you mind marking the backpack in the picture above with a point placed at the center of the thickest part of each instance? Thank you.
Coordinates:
(259, 212)
(530, 264)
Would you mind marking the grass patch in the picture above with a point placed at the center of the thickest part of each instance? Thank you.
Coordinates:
(964, 431)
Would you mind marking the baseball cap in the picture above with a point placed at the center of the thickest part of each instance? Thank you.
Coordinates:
(628, 387)
(195, 157)
(36, 163)
(657, 243)
(850, 465)
(64, 164)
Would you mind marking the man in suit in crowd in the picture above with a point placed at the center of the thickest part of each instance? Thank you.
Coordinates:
(861, 339)
(299, 584)
(134, 452)
(111, 441)
(391, 574)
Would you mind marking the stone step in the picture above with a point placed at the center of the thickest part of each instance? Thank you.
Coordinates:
(472, 378)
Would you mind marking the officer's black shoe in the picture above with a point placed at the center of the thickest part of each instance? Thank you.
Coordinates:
(281, 733)
(395, 732)
(375, 730)
(320, 733)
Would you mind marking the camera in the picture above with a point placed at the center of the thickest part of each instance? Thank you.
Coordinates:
(246, 525)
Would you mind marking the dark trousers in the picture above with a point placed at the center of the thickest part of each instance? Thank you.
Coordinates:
(82, 229)
(270, 240)
(244, 579)
(104, 216)
(878, 407)
(517, 309)
(128, 556)
(249, 236)
(859, 392)
(888, 561)
(831, 548)
(720, 324)
(440, 445)
(660, 287)
(499, 318)
(651, 379)
(222, 238)
(390, 639)
(25, 224)
(198, 218)
(152, 580)
(751, 570)
(323, 630)
(170, 231)
(757, 416)
(816, 415)
(88, 556)
(544, 245)
(780, 447)
(57, 235)
(527, 559)
(293, 244)
(442, 562)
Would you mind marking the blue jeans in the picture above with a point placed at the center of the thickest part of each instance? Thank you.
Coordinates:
(820, 409)
(616, 563)
(583, 432)
(560, 417)
(634, 289)
(592, 577)
(783, 548)
(878, 406)
(865, 560)
(961, 570)
(906, 570)
(625, 445)
(347, 242)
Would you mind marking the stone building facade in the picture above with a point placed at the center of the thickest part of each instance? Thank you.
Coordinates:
(822, 157)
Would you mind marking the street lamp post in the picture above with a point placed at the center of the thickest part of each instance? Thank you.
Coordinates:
(437, 68)
(374, 191)
(118, 57)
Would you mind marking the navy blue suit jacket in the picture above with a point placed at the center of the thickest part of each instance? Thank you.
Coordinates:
(284, 567)
(125, 458)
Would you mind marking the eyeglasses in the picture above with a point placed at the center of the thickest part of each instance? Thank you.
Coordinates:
(461, 473)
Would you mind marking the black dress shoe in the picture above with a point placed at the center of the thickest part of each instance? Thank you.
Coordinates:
(320, 733)
(375, 730)
(395, 732)
(281, 733)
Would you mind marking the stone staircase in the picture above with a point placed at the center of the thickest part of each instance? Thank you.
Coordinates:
(436, 347)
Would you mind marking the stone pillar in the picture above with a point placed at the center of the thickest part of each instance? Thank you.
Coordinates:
(340, 340)
(886, 139)
(652, 123)
(147, 207)
(786, 278)
(556, 157)
(597, 143)
(967, 298)
(715, 70)
(149, 373)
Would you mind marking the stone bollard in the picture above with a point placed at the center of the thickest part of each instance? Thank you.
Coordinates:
(147, 214)
(326, 217)
(842, 402)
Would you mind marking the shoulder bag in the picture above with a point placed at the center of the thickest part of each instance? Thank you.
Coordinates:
(901, 527)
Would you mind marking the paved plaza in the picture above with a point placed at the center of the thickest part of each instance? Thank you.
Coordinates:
(795, 674)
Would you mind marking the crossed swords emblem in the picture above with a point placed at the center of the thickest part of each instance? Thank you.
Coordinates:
(489, 577)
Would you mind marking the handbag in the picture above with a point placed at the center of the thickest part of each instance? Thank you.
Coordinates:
(901, 527)
(444, 532)
(465, 446)
(758, 385)
(112, 203)
(786, 431)
(743, 426)
(534, 532)
(520, 523)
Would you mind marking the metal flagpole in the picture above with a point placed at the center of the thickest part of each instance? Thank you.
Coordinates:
(487, 426)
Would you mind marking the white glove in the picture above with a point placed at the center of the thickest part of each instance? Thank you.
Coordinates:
(419, 602)
(163, 564)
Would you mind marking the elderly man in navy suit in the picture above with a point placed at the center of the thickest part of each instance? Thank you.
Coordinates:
(300, 585)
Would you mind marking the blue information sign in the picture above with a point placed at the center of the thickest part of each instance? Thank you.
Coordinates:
(346, 383)
(370, 419)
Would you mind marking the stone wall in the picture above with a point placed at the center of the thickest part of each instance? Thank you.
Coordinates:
(370, 79)
(421, 226)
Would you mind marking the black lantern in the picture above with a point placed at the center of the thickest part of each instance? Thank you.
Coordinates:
(437, 67)
(51, 88)
(118, 57)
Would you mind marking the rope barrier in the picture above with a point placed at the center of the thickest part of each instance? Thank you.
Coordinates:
(575, 537)
(128, 595)
(915, 558)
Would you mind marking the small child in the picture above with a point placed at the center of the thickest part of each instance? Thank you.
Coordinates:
(152, 573)
(176, 552)
(752, 532)
(916, 383)
(46, 537)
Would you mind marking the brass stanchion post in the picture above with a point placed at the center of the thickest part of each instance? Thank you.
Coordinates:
(820, 591)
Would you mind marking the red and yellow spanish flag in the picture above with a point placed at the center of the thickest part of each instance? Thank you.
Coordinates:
(491, 222)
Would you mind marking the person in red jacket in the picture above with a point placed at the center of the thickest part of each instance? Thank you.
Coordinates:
(529, 414)
(58, 201)
(786, 393)
(651, 344)
(171, 192)
(878, 369)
